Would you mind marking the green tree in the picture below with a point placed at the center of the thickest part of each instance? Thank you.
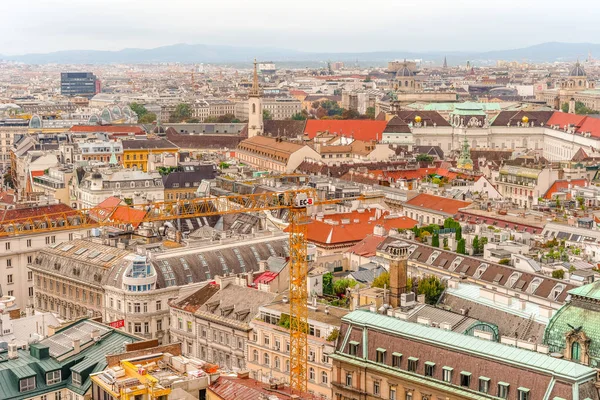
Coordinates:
(193, 121)
(301, 116)
(181, 113)
(475, 244)
(424, 157)
(565, 107)
(147, 118)
(223, 165)
(370, 112)
(504, 261)
(458, 233)
(435, 239)
(461, 247)
(382, 280)
(350, 114)
(581, 108)
(8, 180)
(340, 286)
(482, 242)
(139, 109)
(328, 284)
(432, 288)
(227, 118)
(558, 274)
(210, 119)
(267, 116)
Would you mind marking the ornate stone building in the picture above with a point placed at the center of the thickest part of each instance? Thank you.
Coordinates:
(576, 86)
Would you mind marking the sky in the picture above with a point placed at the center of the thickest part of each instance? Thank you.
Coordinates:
(41, 26)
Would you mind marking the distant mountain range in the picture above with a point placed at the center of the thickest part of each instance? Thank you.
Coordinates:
(209, 54)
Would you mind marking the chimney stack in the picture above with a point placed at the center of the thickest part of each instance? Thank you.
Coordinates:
(572, 106)
(12, 351)
(76, 346)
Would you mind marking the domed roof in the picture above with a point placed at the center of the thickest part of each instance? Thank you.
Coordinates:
(577, 70)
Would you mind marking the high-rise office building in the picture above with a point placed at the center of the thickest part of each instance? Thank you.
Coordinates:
(78, 84)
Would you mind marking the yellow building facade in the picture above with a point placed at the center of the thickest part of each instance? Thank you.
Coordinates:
(137, 152)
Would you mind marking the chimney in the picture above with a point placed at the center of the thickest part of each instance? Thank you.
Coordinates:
(76, 346)
(12, 351)
(572, 106)
(398, 272)
(95, 334)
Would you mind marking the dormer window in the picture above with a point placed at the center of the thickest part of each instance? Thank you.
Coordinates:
(455, 263)
(556, 291)
(27, 384)
(480, 271)
(534, 285)
(53, 377)
(433, 257)
(513, 279)
(76, 378)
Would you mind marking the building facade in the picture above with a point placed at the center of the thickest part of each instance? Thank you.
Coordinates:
(82, 84)
(380, 356)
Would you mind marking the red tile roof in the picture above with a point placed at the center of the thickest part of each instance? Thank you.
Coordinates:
(108, 128)
(368, 246)
(359, 129)
(562, 185)
(128, 215)
(582, 123)
(35, 212)
(349, 228)
(265, 277)
(234, 388)
(104, 210)
(437, 203)
(561, 119)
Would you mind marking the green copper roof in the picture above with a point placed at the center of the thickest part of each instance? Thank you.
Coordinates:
(472, 345)
(591, 291)
(570, 316)
(93, 358)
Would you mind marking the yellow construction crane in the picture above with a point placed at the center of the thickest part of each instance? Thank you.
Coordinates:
(295, 201)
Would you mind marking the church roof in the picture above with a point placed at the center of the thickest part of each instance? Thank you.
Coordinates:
(577, 70)
(404, 71)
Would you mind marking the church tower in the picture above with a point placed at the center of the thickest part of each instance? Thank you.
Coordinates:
(255, 111)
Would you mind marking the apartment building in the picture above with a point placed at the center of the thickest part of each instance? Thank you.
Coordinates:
(269, 345)
(18, 252)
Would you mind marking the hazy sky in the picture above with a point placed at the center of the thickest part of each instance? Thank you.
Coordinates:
(310, 25)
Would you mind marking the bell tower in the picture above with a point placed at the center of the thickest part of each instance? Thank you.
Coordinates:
(255, 111)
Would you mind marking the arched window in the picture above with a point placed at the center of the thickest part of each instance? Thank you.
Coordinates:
(575, 351)
(267, 359)
(406, 83)
(513, 279)
(324, 377)
(287, 365)
(253, 108)
(277, 363)
(255, 355)
(534, 285)
(311, 374)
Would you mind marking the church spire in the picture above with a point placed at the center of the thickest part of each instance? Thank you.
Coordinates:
(255, 91)
(445, 62)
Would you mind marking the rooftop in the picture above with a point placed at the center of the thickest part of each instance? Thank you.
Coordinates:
(472, 345)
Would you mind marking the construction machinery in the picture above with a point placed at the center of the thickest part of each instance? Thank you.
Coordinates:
(295, 201)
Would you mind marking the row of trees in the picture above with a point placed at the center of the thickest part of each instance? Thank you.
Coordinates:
(431, 286)
(580, 108)
(144, 117)
(328, 109)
